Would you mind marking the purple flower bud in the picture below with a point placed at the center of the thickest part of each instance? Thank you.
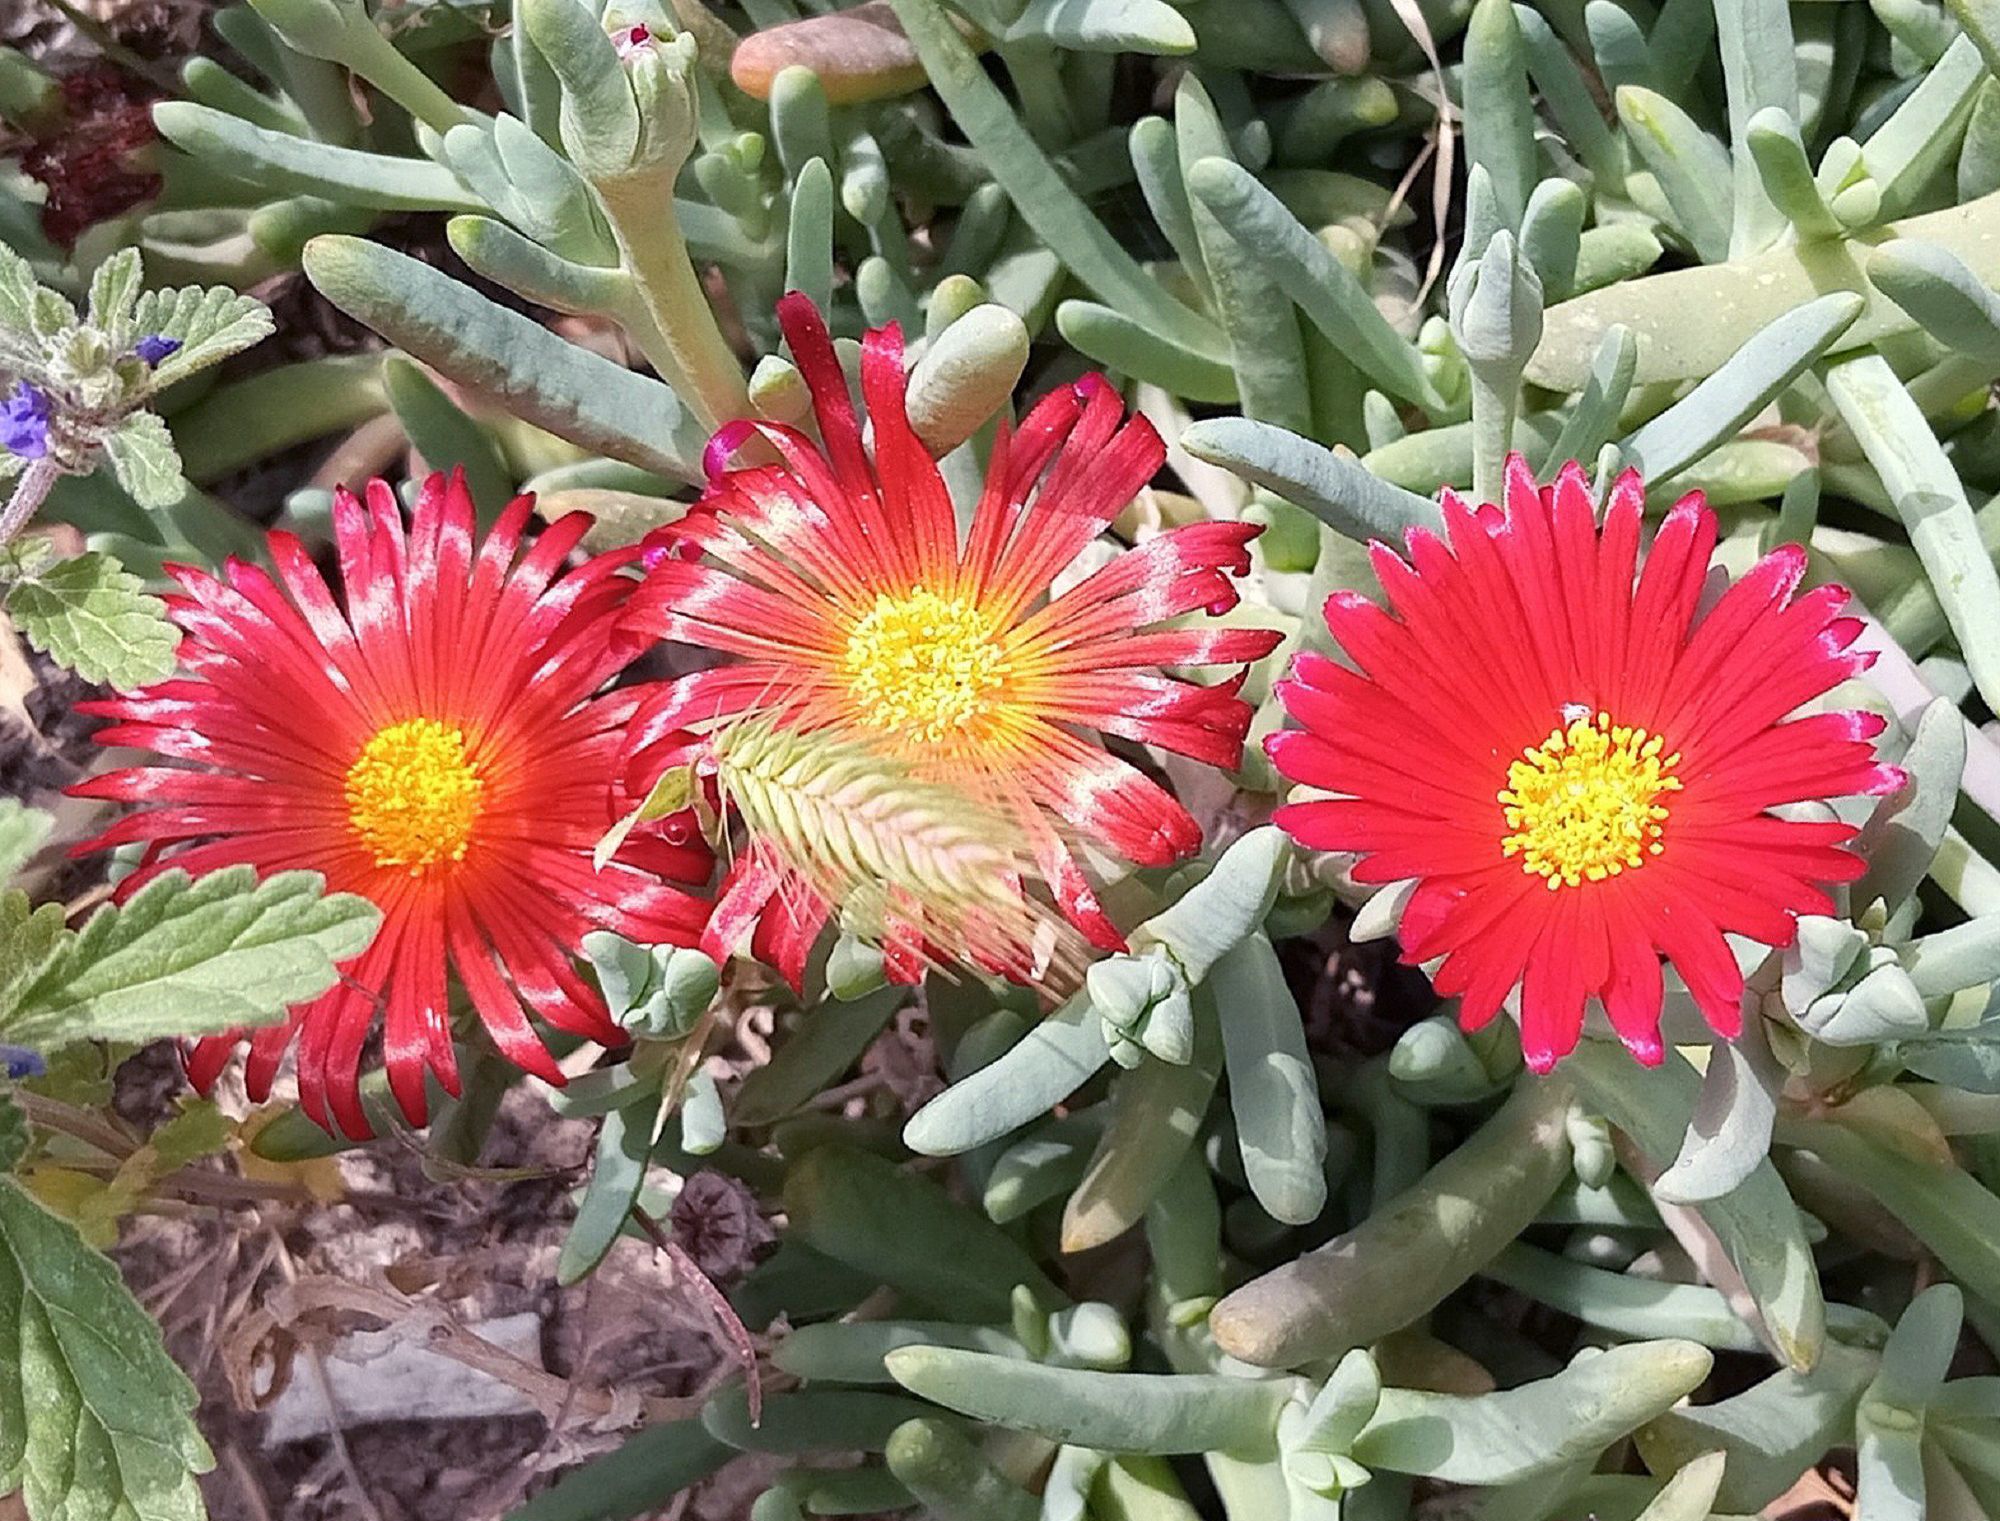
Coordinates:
(18, 1062)
(153, 348)
(24, 421)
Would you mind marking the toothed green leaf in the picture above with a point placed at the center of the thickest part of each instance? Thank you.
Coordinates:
(192, 956)
(145, 462)
(209, 325)
(90, 614)
(94, 1416)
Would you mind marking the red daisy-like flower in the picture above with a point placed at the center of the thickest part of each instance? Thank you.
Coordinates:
(841, 587)
(435, 748)
(1578, 767)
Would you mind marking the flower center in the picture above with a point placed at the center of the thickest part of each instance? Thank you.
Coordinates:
(1583, 804)
(923, 666)
(413, 796)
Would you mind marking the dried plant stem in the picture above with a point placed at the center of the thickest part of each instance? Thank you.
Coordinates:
(106, 1134)
(440, 1332)
(719, 1308)
(317, 1363)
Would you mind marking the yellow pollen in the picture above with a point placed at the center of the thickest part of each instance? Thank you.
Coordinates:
(413, 796)
(922, 666)
(1584, 804)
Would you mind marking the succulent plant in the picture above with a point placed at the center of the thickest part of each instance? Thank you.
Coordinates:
(1180, 1234)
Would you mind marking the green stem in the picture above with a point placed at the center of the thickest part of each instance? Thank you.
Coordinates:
(635, 314)
(1044, 108)
(1493, 410)
(376, 59)
(641, 210)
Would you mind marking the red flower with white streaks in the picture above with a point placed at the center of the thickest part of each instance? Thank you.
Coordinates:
(841, 588)
(437, 749)
(1577, 766)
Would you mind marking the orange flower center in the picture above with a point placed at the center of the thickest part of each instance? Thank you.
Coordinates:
(1584, 804)
(413, 796)
(922, 666)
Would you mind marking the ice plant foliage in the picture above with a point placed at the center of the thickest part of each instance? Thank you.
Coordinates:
(436, 748)
(841, 586)
(1576, 762)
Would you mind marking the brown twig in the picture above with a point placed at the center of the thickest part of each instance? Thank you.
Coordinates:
(341, 1452)
(100, 1131)
(239, 1471)
(727, 1320)
(441, 1332)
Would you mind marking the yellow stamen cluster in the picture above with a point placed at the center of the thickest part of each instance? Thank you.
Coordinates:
(923, 666)
(413, 795)
(1584, 805)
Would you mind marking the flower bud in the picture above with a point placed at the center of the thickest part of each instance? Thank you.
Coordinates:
(1496, 310)
(628, 104)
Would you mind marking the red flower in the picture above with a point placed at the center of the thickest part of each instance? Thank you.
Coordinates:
(1577, 769)
(842, 590)
(436, 749)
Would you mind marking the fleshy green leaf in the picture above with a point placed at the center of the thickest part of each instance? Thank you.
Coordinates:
(654, 1464)
(827, 1042)
(1049, 1063)
(954, 1479)
(541, 377)
(908, 1233)
(1729, 1132)
(92, 615)
(1757, 1222)
(1116, 1412)
(1514, 1434)
(1690, 1493)
(94, 1416)
(1334, 488)
(1771, 1432)
(1404, 1259)
(187, 957)
(1692, 167)
(279, 161)
(1105, 26)
(1042, 197)
(1902, 835)
(624, 1143)
(1755, 374)
(1499, 109)
(1280, 1130)
(1931, 500)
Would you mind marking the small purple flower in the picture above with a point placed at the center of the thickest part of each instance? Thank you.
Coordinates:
(153, 348)
(24, 421)
(18, 1062)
